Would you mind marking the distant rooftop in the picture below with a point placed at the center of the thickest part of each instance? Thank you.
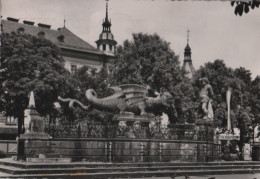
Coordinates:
(61, 37)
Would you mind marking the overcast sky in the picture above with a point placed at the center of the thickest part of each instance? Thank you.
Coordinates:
(215, 31)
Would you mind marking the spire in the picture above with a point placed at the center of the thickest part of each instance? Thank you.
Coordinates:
(31, 100)
(106, 41)
(64, 22)
(106, 9)
(187, 64)
(106, 23)
(188, 31)
(187, 50)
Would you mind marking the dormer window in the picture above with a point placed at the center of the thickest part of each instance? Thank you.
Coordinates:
(20, 30)
(61, 38)
(41, 34)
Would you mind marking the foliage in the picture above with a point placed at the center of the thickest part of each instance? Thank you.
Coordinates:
(147, 60)
(244, 6)
(88, 78)
(30, 63)
(254, 98)
(217, 74)
(186, 101)
(229, 149)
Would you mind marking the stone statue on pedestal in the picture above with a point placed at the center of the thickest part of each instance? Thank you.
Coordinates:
(33, 122)
(131, 103)
(206, 94)
(127, 99)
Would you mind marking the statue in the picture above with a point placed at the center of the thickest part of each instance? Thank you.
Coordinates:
(206, 94)
(131, 105)
(127, 99)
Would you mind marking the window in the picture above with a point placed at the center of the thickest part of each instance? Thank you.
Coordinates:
(110, 47)
(104, 47)
(73, 69)
(20, 30)
(11, 120)
(61, 38)
(41, 34)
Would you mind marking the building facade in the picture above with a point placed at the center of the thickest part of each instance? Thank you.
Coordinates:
(75, 51)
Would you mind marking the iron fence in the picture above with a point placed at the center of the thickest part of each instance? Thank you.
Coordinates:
(113, 130)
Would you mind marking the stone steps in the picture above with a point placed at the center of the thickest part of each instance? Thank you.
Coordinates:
(136, 174)
(21, 164)
(16, 169)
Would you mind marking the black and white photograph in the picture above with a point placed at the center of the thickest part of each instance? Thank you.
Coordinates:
(106, 89)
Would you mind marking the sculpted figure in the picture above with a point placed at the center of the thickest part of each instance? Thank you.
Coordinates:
(206, 94)
(128, 98)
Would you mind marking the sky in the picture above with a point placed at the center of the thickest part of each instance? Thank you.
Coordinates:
(215, 31)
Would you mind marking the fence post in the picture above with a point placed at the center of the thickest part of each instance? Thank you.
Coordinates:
(142, 152)
(110, 151)
(79, 130)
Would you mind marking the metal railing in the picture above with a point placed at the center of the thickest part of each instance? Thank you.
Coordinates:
(112, 130)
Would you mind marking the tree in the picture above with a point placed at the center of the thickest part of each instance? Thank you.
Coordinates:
(243, 6)
(89, 78)
(30, 63)
(217, 74)
(186, 101)
(146, 60)
(255, 98)
(244, 75)
(221, 77)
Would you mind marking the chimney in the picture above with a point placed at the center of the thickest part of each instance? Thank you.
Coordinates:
(12, 19)
(28, 22)
(44, 26)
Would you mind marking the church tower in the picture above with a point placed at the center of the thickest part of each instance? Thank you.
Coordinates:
(106, 42)
(187, 64)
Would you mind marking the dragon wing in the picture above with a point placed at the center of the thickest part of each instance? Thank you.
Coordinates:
(134, 93)
(116, 89)
(118, 92)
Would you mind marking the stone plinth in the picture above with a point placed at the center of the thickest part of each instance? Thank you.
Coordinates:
(31, 135)
(33, 122)
(121, 150)
(34, 125)
(134, 126)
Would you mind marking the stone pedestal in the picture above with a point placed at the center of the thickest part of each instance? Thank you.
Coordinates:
(34, 125)
(135, 126)
(247, 152)
(34, 132)
(205, 129)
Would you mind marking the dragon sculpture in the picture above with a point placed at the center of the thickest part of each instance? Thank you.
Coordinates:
(128, 98)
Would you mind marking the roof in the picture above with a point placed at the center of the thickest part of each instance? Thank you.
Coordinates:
(187, 48)
(70, 40)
